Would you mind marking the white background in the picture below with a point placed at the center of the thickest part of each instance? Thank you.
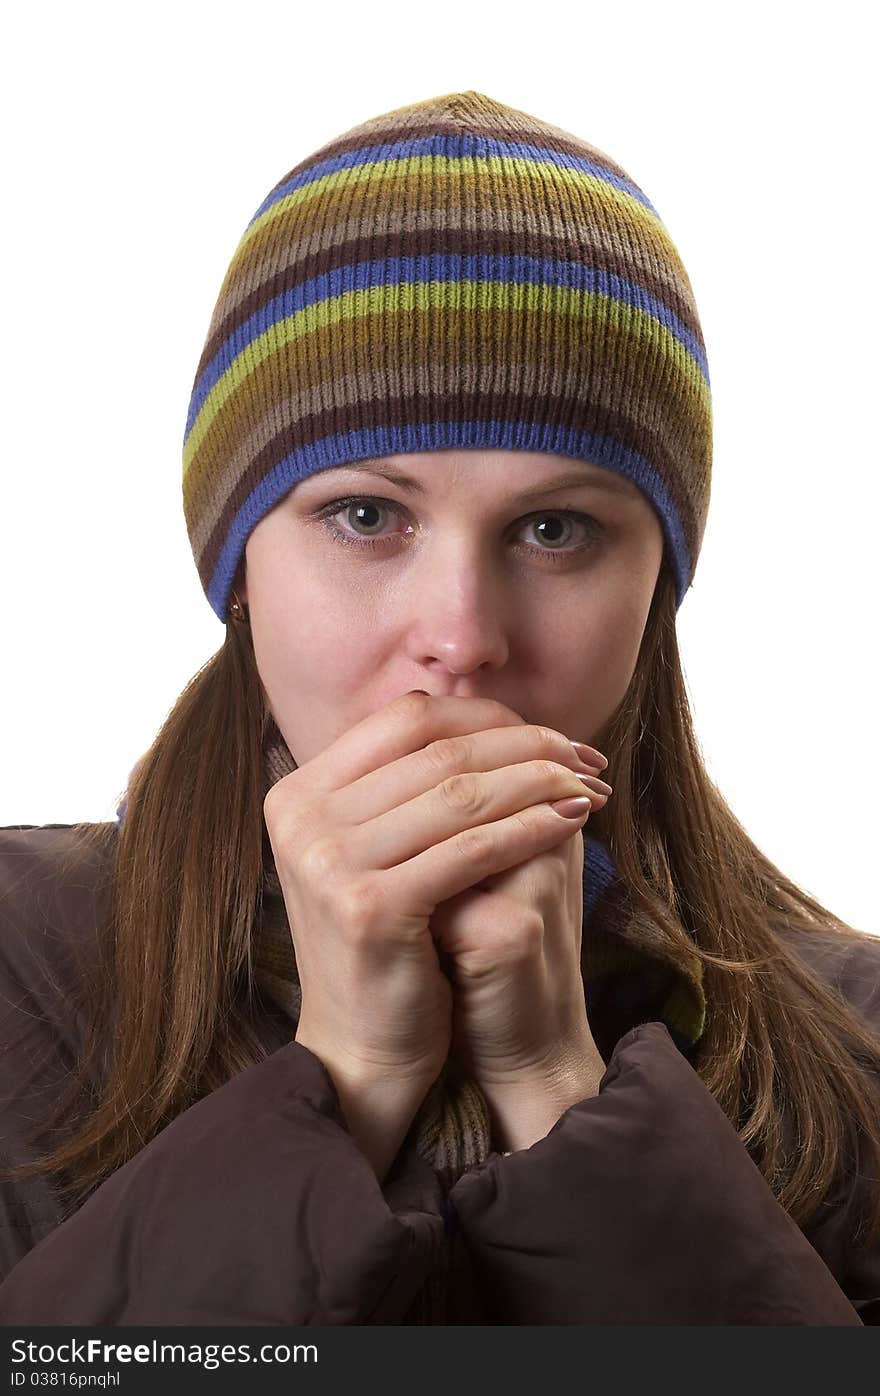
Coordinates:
(138, 143)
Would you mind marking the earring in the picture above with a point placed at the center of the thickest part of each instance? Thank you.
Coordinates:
(236, 609)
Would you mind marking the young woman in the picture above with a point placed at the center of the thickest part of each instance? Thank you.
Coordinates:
(358, 1015)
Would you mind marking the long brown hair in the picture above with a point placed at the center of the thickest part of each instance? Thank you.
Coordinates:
(173, 971)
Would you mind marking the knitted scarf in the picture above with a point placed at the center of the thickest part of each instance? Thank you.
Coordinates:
(627, 981)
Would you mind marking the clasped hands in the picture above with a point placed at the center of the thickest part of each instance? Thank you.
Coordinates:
(512, 949)
(435, 901)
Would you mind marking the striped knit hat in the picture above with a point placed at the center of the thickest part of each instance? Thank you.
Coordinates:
(454, 273)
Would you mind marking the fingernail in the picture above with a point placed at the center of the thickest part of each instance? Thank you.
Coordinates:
(601, 787)
(572, 809)
(589, 756)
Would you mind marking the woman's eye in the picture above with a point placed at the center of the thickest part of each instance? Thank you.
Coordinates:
(561, 532)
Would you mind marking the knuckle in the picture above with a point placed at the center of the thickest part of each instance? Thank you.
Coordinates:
(280, 802)
(462, 793)
(411, 707)
(272, 804)
(446, 753)
(434, 756)
(525, 934)
(287, 820)
(549, 739)
(357, 907)
(475, 845)
(552, 771)
(319, 862)
(529, 940)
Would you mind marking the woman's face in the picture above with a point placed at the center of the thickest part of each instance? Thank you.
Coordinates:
(457, 584)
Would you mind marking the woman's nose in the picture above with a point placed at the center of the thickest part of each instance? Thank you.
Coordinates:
(460, 618)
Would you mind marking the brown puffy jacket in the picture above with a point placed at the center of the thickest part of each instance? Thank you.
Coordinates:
(255, 1206)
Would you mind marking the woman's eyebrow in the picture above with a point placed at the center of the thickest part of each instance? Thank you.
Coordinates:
(581, 479)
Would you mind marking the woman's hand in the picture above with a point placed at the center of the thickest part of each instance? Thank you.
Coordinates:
(410, 807)
(513, 947)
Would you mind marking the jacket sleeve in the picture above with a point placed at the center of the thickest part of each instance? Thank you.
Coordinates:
(254, 1206)
(641, 1206)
